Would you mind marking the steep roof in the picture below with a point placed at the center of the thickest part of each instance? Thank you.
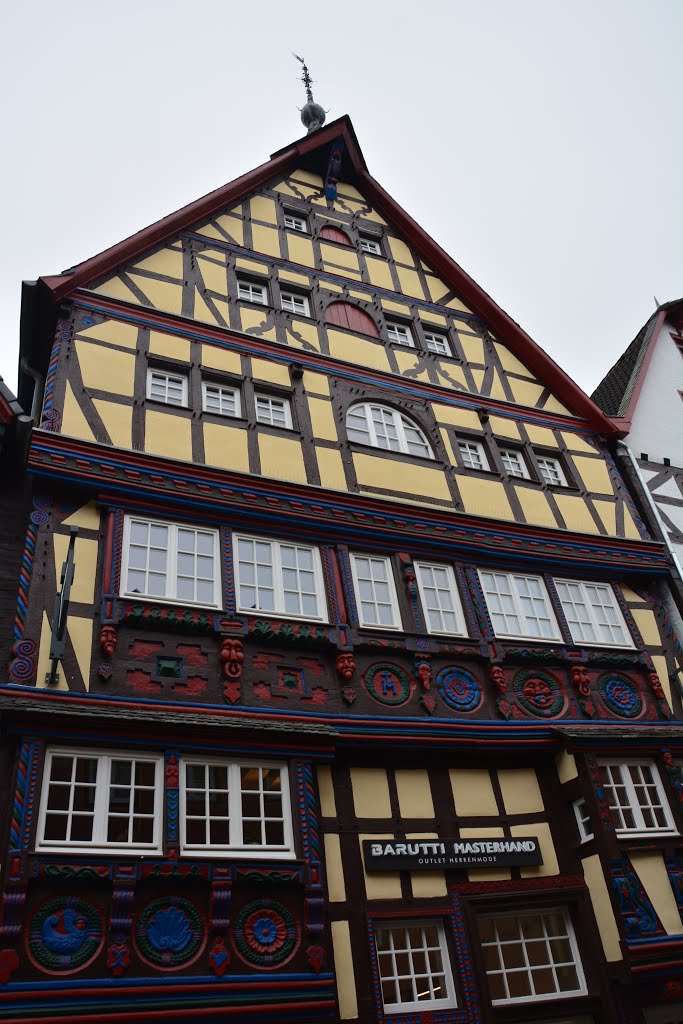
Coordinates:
(313, 150)
(617, 392)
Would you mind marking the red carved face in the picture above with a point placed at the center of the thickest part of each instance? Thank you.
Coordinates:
(232, 650)
(108, 640)
(424, 672)
(538, 692)
(346, 666)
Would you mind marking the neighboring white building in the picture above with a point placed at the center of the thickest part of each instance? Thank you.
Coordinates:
(643, 394)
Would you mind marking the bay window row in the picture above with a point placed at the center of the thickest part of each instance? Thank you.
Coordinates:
(109, 801)
(178, 563)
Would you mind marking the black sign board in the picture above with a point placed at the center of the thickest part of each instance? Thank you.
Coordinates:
(442, 854)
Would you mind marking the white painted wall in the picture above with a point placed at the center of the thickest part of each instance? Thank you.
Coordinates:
(657, 424)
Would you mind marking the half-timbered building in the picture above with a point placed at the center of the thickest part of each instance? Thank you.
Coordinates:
(341, 688)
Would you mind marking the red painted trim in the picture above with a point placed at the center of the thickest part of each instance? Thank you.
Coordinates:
(474, 296)
(645, 365)
(127, 312)
(184, 1014)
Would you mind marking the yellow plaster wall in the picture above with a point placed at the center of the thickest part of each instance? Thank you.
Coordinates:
(510, 362)
(161, 294)
(328, 807)
(83, 587)
(299, 331)
(662, 671)
(484, 497)
(74, 423)
(252, 267)
(339, 256)
(331, 469)
(105, 369)
(607, 510)
(274, 373)
(577, 443)
(215, 358)
(80, 633)
(380, 886)
(575, 513)
(343, 970)
(410, 283)
(535, 506)
(414, 793)
(114, 332)
(519, 787)
(541, 435)
(114, 288)
(353, 349)
(214, 274)
(542, 830)
(226, 447)
(44, 663)
(647, 624)
(252, 319)
(265, 240)
(168, 435)
(117, 420)
(473, 792)
(170, 346)
(427, 884)
(486, 874)
(167, 262)
(472, 346)
(503, 427)
(379, 273)
(452, 415)
(322, 419)
(566, 766)
(316, 383)
(602, 907)
(524, 391)
(287, 275)
(282, 458)
(594, 474)
(263, 208)
(651, 871)
(370, 793)
(394, 475)
(334, 869)
(300, 250)
(87, 517)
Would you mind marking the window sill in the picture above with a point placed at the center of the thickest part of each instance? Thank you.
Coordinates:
(254, 613)
(231, 854)
(170, 602)
(530, 639)
(367, 448)
(167, 405)
(99, 851)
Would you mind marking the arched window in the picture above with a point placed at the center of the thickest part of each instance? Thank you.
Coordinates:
(335, 235)
(343, 314)
(382, 427)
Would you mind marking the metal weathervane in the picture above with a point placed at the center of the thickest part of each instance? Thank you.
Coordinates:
(312, 114)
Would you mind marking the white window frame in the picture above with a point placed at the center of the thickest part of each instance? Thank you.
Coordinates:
(625, 774)
(393, 599)
(515, 582)
(451, 589)
(101, 794)
(549, 467)
(370, 245)
(224, 391)
(388, 957)
(401, 424)
(277, 579)
(400, 334)
(469, 447)
(289, 301)
(252, 291)
(271, 400)
(295, 222)
(530, 968)
(569, 607)
(513, 455)
(583, 821)
(236, 845)
(167, 376)
(171, 573)
(438, 343)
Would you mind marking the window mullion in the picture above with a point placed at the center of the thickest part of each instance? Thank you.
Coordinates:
(627, 775)
(235, 808)
(102, 792)
(402, 440)
(519, 611)
(278, 582)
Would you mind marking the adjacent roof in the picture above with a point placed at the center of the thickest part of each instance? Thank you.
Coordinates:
(617, 392)
(313, 151)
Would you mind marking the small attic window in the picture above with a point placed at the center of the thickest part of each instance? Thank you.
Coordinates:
(295, 222)
(344, 314)
(332, 234)
(370, 245)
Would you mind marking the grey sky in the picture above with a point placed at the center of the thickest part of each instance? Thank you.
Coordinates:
(538, 142)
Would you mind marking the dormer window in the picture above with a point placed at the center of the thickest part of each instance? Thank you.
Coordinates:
(295, 222)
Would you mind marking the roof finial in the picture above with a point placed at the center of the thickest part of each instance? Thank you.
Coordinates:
(312, 114)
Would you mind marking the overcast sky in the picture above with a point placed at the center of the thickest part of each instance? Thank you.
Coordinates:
(538, 141)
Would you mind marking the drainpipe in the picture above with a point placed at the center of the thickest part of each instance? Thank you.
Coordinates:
(38, 378)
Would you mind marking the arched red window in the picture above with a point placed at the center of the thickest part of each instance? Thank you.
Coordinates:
(343, 314)
(335, 235)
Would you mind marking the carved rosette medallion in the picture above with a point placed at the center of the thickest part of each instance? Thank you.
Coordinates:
(388, 684)
(539, 693)
(169, 933)
(65, 935)
(266, 934)
(459, 689)
(621, 695)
